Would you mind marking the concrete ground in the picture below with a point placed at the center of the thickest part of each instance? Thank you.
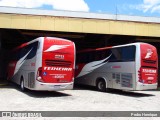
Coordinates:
(82, 98)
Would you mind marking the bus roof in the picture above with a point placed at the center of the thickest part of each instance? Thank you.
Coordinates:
(37, 39)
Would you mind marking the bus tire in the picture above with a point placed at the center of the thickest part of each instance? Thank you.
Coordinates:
(22, 85)
(101, 85)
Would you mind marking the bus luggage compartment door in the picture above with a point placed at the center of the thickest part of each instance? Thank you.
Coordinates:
(116, 80)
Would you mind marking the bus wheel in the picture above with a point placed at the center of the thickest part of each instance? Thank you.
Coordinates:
(22, 85)
(101, 85)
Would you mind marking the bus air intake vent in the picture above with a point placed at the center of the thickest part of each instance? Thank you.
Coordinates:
(31, 80)
(57, 63)
(126, 80)
(118, 78)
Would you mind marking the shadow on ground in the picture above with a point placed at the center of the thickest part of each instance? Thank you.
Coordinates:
(43, 94)
(36, 94)
(114, 91)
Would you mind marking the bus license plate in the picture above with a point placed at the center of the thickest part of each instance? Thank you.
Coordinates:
(57, 86)
(149, 82)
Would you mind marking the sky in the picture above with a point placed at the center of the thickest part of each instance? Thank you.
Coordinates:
(125, 7)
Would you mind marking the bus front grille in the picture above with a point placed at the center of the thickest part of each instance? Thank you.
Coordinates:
(57, 63)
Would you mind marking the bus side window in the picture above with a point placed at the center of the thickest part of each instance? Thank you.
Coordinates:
(128, 53)
(116, 55)
(123, 54)
(23, 52)
(108, 53)
(33, 47)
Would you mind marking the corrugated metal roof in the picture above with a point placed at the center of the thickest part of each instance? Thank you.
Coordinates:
(75, 14)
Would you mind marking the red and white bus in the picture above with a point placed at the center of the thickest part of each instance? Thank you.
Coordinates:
(125, 67)
(46, 63)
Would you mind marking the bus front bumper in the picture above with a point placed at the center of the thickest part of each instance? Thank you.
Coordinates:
(53, 86)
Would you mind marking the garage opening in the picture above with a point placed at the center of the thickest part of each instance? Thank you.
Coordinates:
(11, 38)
